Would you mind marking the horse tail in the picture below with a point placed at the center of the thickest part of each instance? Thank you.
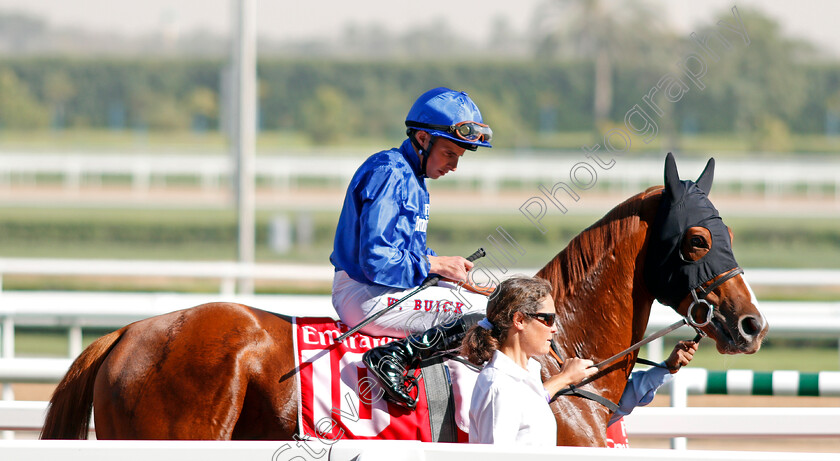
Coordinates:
(69, 411)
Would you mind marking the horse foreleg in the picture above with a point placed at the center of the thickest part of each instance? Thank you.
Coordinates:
(580, 422)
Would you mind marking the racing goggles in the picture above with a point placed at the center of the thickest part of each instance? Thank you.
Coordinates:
(468, 131)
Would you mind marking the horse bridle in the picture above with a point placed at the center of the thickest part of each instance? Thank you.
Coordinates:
(705, 291)
(686, 320)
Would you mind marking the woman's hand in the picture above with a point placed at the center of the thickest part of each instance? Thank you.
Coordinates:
(573, 371)
(682, 354)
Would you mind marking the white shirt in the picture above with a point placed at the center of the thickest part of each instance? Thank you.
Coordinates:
(510, 405)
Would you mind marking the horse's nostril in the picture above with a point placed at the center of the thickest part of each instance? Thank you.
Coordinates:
(750, 326)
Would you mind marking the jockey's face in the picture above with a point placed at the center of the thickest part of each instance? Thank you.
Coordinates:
(444, 156)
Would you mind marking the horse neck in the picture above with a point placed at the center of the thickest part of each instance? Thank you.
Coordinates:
(598, 286)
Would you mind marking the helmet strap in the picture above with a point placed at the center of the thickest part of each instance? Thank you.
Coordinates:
(423, 153)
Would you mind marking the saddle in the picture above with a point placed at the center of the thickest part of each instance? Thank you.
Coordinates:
(338, 398)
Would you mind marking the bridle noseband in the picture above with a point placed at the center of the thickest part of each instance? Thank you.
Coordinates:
(705, 291)
(686, 320)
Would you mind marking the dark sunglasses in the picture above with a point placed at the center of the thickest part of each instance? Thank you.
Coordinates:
(542, 317)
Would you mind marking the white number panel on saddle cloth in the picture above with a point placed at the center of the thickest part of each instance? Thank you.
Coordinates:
(339, 399)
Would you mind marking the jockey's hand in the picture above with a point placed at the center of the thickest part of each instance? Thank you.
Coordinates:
(682, 354)
(451, 267)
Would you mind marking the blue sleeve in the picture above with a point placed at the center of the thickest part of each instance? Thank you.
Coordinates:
(386, 257)
(640, 390)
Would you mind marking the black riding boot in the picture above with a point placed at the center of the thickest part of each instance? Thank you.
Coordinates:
(392, 362)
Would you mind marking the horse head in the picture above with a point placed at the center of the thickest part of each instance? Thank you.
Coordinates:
(690, 266)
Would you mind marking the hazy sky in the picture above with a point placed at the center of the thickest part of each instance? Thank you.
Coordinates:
(812, 19)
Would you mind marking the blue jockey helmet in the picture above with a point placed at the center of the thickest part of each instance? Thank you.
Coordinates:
(452, 115)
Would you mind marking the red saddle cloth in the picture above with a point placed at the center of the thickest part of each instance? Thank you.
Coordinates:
(617, 435)
(338, 398)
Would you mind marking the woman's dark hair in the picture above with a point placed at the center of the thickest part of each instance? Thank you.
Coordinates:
(516, 294)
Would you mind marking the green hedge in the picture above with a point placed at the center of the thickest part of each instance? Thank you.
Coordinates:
(203, 234)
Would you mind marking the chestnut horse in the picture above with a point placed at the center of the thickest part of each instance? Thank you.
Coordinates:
(225, 371)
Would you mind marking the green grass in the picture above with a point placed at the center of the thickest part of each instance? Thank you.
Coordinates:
(718, 144)
(769, 358)
(49, 342)
(759, 242)
(769, 242)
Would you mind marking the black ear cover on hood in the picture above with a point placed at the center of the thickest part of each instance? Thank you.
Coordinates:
(685, 204)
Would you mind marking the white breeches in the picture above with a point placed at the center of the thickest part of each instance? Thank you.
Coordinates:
(355, 301)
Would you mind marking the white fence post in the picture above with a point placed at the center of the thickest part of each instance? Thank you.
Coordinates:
(679, 399)
(8, 353)
(75, 342)
(228, 286)
(8, 337)
(655, 350)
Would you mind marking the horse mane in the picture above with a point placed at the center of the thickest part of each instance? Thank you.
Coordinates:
(585, 252)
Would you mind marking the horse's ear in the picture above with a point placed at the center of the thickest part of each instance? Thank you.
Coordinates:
(672, 176)
(704, 182)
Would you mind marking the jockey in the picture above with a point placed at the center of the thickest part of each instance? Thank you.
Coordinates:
(380, 253)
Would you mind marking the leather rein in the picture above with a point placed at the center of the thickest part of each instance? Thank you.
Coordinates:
(688, 319)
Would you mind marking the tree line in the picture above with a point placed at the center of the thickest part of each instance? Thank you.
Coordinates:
(332, 100)
(768, 88)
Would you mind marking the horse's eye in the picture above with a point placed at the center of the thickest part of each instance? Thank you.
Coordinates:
(698, 242)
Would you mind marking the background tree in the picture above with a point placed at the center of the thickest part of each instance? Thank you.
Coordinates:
(607, 35)
(329, 116)
(18, 108)
(760, 86)
(58, 90)
(204, 106)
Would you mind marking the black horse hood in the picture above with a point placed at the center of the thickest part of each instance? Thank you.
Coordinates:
(685, 204)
